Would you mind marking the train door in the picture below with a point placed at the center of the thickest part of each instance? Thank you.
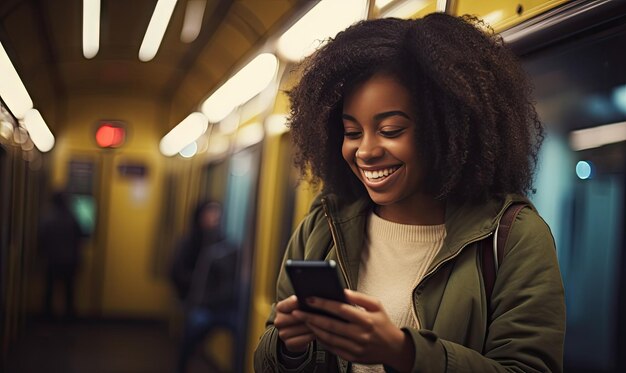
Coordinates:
(239, 213)
(580, 85)
(593, 277)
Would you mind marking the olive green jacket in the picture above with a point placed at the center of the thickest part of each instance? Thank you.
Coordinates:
(527, 325)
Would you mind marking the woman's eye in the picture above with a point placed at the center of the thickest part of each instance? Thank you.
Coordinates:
(351, 134)
(391, 133)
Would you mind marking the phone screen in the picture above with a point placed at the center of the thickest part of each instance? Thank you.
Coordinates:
(311, 278)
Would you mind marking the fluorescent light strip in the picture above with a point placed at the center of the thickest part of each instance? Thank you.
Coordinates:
(493, 17)
(193, 20)
(382, 3)
(322, 22)
(245, 84)
(12, 89)
(184, 134)
(91, 28)
(189, 150)
(249, 135)
(407, 9)
(38, 130)
(156, 29)
(218, 145)
(596, 137)
(441, 5)
(276, 124)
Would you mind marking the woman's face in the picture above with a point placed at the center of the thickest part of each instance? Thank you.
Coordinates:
(379, 142)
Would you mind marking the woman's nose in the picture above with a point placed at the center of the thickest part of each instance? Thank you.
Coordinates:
(369, 150)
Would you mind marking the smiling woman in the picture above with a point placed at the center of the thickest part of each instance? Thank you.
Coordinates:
(379, 146)
(423, 135)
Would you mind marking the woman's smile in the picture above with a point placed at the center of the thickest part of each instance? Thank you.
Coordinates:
(378, 177)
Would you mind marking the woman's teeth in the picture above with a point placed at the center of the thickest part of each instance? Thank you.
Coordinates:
(378, 174)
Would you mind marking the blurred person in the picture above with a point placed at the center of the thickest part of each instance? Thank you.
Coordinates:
(423, 134)
(59, 239)
(204, 274)
(205, 230)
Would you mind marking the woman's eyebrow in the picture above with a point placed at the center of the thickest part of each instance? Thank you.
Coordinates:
(349, 117)
(380, 116)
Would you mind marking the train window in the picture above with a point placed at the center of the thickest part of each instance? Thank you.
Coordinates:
(582, 84)
(84, 209)
(241, 193)
(239, 217)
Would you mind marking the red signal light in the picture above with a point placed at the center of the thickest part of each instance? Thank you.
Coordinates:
(110, 136)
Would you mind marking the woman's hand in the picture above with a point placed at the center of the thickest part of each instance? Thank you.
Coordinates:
(369, 336)
(294, 333)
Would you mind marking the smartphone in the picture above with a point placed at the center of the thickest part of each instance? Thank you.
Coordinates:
(315, 278)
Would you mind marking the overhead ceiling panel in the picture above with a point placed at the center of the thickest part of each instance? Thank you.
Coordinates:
(45, 40)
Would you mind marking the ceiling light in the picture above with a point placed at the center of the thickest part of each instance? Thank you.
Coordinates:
(382, 3)
(12, 89)
(230, 123)
(596, 137)
(322, 22)
(183, 134)
(249, 135)
(276, 124)
(193, 20)
(91, 28)
(247, 83)
(38, 130)
(493, 17)
(441, 5)
(156, 29)
(583, 170)
(406, 9)
(6, 129)
(218, 145)
(189, 150)
(203, 144)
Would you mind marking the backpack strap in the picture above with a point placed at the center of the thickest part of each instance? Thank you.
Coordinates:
(493, 251)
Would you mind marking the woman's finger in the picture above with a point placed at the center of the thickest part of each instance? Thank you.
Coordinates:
(334, 340)
(344, 311)
(287, 305)
(285, 320)
(370, 304)
(293, 331)
(358, 332)
(299, 343)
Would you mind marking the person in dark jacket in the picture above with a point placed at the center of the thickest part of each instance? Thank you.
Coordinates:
(423, 134)
(204, 273)
(205, 230)
(59, 239)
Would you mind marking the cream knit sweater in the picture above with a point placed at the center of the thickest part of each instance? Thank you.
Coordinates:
(394, 259)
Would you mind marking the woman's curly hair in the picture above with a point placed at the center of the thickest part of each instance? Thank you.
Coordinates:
(478, 131)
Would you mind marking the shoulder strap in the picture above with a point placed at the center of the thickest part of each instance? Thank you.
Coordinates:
(492, 256)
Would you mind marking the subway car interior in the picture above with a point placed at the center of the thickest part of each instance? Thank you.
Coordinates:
(135, 111)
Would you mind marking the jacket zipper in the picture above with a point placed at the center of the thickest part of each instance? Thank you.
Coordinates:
(435, 268)
(333, 234)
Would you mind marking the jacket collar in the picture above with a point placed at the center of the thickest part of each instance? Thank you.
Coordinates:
(465, 223)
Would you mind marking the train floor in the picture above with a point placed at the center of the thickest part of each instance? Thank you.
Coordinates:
(98, 347)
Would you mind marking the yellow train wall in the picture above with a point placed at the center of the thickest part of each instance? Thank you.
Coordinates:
(117, 279)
